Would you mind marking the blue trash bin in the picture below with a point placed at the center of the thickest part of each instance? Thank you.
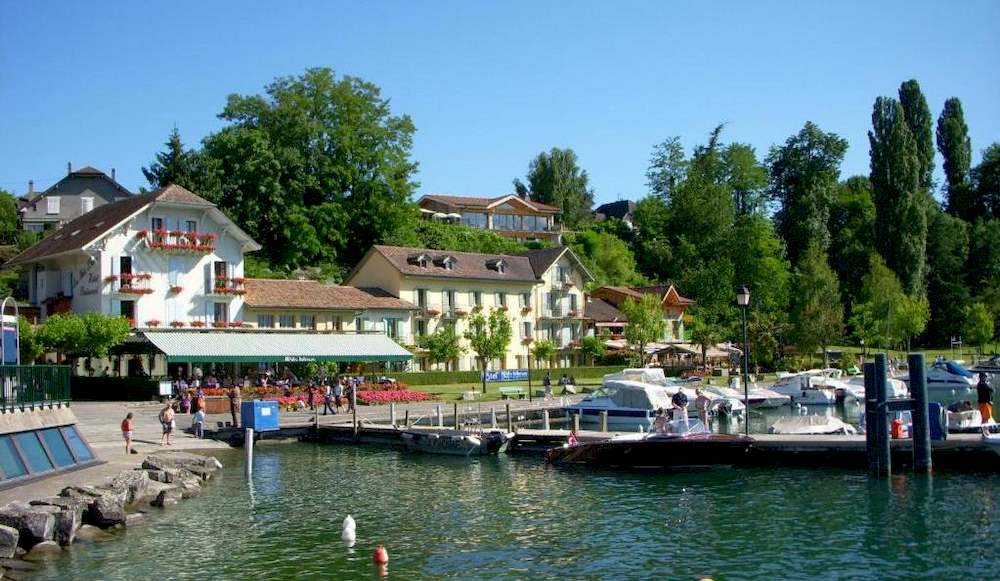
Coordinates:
(260, 415)
(935, 419)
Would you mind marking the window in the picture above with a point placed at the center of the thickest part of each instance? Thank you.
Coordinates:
(359, 325)
(501, 299)
(421, 327)
(86, 204)
(220, 312)
(477, 298)
(448, 263)
(156, 224)
(34, 453)
(286, 321)
(338, 324)
(526, 329)
(127, 310)
(422, 298)
(449, 299)
(392, 328)
(191, 226)
(52, 205)
(265, 321)
(76, 443)
(307, 321)
(57, 446)
(10, 461)
(124, 266)
(473, 219)
(572, 302)
(525, 300)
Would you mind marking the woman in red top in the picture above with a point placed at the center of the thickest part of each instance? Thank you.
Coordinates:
(127, 433)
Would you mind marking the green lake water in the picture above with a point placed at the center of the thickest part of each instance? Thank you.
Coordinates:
(516, 518)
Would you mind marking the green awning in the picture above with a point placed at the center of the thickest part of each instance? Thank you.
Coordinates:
(260, 347)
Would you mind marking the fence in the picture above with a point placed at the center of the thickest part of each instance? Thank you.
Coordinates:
(26, 387)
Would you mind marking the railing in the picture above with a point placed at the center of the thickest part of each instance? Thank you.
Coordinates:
(554, 313)
(26, 387)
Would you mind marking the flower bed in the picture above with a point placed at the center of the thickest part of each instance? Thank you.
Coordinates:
(384, 396)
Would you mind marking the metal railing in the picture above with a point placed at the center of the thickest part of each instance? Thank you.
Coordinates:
(26, 387)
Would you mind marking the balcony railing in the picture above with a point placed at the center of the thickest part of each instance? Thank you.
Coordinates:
(26, 387)
(130, 283)
(224, 285)
(177, 241)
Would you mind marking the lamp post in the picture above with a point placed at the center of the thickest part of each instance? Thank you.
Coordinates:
(743, 300)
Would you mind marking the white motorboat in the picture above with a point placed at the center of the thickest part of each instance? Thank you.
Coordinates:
(759, 397)
(949, 381)
(455, 442)
(818, 424)
(632, 397)
(856, 384)
(815, 387)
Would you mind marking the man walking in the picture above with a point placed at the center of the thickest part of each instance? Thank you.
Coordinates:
(985, 398)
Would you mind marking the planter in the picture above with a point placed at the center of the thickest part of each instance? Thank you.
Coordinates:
(217, 405)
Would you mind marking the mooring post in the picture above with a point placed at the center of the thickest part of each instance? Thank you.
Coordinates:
(510, 421)
(248, 449)
(604, 420)
(576, 423)
(870, 405)
(545, 420)
(921, 415)
(406, 418)
(493, 418)
(440, 416)
(882, 415)
(456, 417)
(392, 414)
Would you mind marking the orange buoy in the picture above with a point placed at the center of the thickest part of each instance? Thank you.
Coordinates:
(897, 429)
(381, 556)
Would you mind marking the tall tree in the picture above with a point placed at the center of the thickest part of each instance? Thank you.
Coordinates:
(956, 148)
(900, 204)
(606, 256)
(920, 122)
(986, 179)
(947, 251)
(555, 178)
(746, 178)
(852, 223)
(489, 337)
(804, 175)
(442, 345)
(317, 169)
(816, 309)
(176, 165)
(645, 323)
(8, 215)
(667, 168)
(977, 325)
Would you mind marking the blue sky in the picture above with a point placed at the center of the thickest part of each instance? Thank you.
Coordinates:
(488, 84)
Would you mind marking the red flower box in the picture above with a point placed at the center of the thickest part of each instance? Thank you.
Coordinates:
(176, 233)
(142, 234)
(153, 323)
(111, 278)
(239, 280)
(503, 308)
(131, 322)
(220, 324)
(208, 237)
(527, 340)
(380, 397)
(197, 324)
(176, 324)
(236, 324)
(129, 290)
(176, 289)
(161, 232)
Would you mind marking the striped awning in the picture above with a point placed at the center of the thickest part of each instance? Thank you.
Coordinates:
(261, 347)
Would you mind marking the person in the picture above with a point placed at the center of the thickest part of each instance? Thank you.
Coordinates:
(701, 403)
(547, 384)
(328, 400)
(660, 422)
(349, 395)
(984, 391)
(186, 402)
(680, 403)
(338, 396)
(198, 423)
(564, 381)
(234, 405)
(107, 371)
(312, 397)
(199, 400)
(127, 432)
(167, 422)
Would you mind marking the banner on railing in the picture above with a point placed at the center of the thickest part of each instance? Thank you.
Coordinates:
(506, 375)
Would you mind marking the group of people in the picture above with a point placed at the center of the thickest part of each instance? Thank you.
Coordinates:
(679, 410)
(336, 394)
(568, 384)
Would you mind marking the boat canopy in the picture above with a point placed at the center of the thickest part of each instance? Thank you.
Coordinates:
(629, 394)
(651, 375)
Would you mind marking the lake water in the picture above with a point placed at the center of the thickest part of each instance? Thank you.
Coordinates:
(516, 518)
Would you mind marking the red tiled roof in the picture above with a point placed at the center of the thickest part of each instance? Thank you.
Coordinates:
(472, 202)
(311, 294)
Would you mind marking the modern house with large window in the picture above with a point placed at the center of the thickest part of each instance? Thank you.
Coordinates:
(606, 302)
(541, 291)
(76, 194)
(510, 215)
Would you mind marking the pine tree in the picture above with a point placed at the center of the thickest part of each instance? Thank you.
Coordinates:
(920, 121)
(956, 148)
(173, 166)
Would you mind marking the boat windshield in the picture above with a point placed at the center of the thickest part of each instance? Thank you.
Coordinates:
(686, 427)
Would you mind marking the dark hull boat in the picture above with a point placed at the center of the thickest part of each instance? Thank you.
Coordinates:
(656, 451)
(455, 442)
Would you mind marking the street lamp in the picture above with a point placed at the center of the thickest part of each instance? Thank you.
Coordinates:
(743, 300)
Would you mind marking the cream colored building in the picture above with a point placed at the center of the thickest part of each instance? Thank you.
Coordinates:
(541, 291)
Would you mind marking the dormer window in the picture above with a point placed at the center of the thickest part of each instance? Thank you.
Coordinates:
(420, 260)
(446, 262)
(498, 264)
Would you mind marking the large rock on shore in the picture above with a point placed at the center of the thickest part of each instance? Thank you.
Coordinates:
(91, 534)
(105, 506)
(168, 497)
(8, 541)
(173, 463)
(34, 524)
(43, 551)
(132, 484)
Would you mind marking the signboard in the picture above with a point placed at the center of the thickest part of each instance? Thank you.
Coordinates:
(166, 388)
(506, 375)
(299, 359)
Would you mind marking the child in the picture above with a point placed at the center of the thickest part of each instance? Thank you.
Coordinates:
(199, 424)
(127, 433)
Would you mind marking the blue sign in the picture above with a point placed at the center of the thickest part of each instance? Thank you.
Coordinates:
(506, 375)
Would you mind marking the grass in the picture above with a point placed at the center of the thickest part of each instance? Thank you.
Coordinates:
(454, 391)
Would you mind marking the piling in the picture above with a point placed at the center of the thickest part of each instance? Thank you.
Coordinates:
(882, 416)
(248, 449)
(440, 416)
(493, 418)
(871, 404)
(545, 420)
(406, 418)
(921, 420)
(392, 413)
(456, 417)
(576, 423)
(510, 421)
(604, 420)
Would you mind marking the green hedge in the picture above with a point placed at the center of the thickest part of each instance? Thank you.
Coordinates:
(448, 377)
(113, 388)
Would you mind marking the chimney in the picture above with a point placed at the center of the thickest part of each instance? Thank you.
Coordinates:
(113, 175)
(69, 167)
(31, 187)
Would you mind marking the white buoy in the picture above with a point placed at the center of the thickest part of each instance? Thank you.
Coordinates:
(348, 535)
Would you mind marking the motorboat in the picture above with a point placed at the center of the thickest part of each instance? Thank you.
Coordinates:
(896, 388)
(455, 442)
(684, 445)
(632, 397)
(815, 387)
(759, 397)
(815, 424)
(949, 381)
(992, 441)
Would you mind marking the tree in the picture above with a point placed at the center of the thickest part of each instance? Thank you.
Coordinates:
(28, 343)
(910, 316)
(804, 174)
(439, 236)
(489, 337)
(759, 262)
(896, 166)
(920, 123)
(956, 148)
(87, 335)
(746, 178)
(8, 215)
(852, 224)
(947, 253)
(442, 345)
(667, 168)
(645, 322)
(176, 165)
(817, 314)
(706, 329)
(543, 350)
(317, 170)
(986, 179)
(64, 334)
(555, 178)
(978, 326)
(766, 332)
(606, 256)
(593, 347)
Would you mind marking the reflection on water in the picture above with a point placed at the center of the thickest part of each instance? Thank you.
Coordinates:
(516, 518)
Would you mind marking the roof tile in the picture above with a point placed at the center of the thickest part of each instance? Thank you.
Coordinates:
(311, 294)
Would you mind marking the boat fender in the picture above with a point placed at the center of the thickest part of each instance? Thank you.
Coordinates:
(380, 556)
(348, 534)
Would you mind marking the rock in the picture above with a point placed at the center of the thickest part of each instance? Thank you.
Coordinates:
(215, 462)
(43, 551)
(168, 497)
(67, 523)
(157, 475)
(8, 541)
(90, 534)
(132, 483)
(17, 565)
(20, 552)
(86, 493)
(190, 489)
(105, 511)
(134, 518)
(171, 462)
(33, 526)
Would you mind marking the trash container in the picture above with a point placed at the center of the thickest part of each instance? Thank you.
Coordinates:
(260, 415)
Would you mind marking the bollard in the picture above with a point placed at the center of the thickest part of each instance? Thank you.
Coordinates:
(406, 418)
(440, 416)
(870, 406)
(510, 421)
(921, 416)
(576, 423)
(392, 414)
(883, 450)
(545, 420)
(456, 417)
(604, 420)
(493, 418)
(248, 448)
